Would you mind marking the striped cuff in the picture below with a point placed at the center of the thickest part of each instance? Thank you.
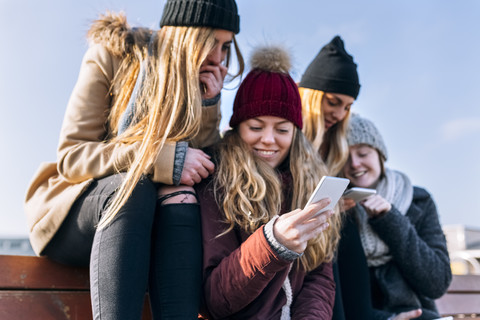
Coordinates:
(180, 153)
(279, 248)
(211, 101)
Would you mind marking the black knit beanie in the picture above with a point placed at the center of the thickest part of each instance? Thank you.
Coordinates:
(332, 70)
(218, 14)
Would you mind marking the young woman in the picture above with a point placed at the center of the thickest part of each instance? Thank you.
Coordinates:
(143, 102)
(392, 257)
(265, 255)
(328, 89)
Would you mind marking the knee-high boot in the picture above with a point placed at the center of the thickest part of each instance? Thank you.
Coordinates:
(176, 264)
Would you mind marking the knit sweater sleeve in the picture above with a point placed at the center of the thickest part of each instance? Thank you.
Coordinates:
(83, 153)
(315, 299)
(418, 245)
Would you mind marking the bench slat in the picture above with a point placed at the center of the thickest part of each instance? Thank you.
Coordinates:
(54, 305)
(26, 272)
(465, 284)
(459, 304)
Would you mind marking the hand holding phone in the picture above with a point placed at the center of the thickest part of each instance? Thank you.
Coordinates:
(329, 187)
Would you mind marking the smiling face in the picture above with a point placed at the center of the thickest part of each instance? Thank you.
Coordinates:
(363, 167)
(335, 107)
(268, 137)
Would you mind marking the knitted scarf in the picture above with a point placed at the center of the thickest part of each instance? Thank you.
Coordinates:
(397, 189)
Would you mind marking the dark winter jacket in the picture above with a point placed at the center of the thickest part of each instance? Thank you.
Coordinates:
(419, 271)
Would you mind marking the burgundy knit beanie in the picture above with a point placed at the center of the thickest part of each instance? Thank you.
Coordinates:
(268, 90)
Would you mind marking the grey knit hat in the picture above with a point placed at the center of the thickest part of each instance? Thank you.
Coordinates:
(218, 14)
(363, 131)
(333, 70)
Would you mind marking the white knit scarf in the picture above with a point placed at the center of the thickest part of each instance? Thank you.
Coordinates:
(397, 189)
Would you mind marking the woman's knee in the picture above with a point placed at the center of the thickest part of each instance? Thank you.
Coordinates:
(141, 204)
(145, 190)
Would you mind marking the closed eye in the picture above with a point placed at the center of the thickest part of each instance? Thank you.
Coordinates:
(226, 46)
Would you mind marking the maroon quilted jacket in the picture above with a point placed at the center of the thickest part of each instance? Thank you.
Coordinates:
(243, 275)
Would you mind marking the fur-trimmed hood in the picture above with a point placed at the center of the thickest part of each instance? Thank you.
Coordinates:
(112, 31)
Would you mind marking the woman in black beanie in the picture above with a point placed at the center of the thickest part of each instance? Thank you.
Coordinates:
(144, 104)
(328, 88)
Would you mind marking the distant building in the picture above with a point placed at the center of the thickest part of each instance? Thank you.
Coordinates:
(463, 244)
(16, 246)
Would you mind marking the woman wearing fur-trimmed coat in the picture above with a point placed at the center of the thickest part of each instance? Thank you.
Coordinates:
(133, 123)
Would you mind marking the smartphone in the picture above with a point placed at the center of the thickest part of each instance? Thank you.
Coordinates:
(331, 187)
(358, 194)
(444, 318)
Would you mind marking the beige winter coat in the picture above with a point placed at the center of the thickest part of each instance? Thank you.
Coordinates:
(83, 154)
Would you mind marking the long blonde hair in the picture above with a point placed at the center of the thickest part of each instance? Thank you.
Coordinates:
(332, 144)
(249, 191)
(168, 106)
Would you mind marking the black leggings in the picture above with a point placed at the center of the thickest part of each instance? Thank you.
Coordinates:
(146, 246)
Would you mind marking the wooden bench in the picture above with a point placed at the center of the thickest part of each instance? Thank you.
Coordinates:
(37, 288)
(462, 300)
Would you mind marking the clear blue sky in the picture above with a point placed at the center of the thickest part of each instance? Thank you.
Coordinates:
(419, 66)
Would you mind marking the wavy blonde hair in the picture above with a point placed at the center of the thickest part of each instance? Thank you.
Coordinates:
(168, 106)
(332, 144)
(249, 191)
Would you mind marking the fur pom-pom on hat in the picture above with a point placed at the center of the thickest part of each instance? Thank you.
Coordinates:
(272, 59)
(268, 89)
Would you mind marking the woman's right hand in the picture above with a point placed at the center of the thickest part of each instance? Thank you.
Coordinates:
(197, 166)
(413, 314)
(347, 204)
(296, 228)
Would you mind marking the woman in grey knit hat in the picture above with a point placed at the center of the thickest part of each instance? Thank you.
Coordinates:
(392, 257)
(144, 104)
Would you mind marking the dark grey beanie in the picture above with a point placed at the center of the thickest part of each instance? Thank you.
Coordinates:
(333, 70)
(218, 14)
(363, 131)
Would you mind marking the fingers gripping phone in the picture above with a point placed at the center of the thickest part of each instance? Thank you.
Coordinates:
(358, 194)
(331, 187)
